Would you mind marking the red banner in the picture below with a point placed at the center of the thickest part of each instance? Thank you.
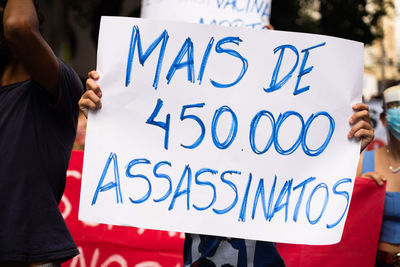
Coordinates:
(114, 246)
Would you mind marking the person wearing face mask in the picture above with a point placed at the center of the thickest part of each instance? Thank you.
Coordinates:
(38, 116)
(383, 165)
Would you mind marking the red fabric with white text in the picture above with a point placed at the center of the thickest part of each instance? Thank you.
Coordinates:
(114, 246)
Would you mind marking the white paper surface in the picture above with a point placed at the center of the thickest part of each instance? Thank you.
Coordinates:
(239, 13)
(211, 187)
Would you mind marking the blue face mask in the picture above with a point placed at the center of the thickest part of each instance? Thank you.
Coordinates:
(393, 120)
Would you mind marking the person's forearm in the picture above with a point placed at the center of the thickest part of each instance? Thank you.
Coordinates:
(22, 35)
(20, 18)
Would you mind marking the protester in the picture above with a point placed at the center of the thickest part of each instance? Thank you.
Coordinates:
(383, 165)
(38, 115)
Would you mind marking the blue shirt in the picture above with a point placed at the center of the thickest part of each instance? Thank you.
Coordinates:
(390, 230)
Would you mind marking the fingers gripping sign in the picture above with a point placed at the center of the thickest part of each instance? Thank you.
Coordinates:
(361, 125)
(91, 99)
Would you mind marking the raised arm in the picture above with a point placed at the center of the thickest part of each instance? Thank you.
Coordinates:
(21, 32)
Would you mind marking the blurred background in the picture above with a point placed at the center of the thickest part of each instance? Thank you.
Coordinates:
(71, 28)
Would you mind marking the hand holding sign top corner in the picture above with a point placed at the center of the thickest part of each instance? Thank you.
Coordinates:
(361, 125)
(91, 99)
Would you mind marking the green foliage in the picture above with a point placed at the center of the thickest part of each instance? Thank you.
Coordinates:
(351, 19)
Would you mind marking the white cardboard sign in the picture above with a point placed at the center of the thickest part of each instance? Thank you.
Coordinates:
(238, 13)
(222, 131)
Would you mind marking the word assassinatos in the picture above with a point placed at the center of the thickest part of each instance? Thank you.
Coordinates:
(272, 199)
(290, 198)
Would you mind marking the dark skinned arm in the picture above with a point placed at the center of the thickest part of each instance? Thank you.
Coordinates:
(21, 32)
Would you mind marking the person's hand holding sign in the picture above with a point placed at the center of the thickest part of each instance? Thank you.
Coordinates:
(91, 99)
(361, 125)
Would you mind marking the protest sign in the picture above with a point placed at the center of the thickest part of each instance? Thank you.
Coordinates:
(237, 13)
(222, 131)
